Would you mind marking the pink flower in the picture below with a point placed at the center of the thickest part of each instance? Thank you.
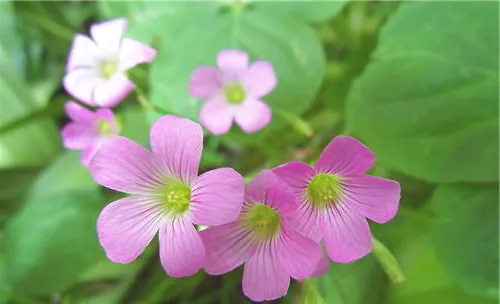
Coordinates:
(335, 197)
(96, 68)
(233, 92)
(88, 130)
(264, 237)
(167, 196)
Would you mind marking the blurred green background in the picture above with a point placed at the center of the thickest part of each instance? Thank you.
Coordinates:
(417, 82)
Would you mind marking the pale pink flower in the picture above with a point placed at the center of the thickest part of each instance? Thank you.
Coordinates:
(166, 196)
(266, 239)
(95, 71)
(336, 197)
(233, 91)
(88, 130)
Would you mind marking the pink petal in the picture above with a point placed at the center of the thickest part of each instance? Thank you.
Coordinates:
(125, 227)
(297, 176)
(310, 220)
(298, 254)
(113, 90)
(345, 156)
(253, 115)
(133, 52)
(81, 84)
(177, 142)
(347, 234)
(321, 266)
(264, 278)
(270, 189)
(108, 34)
(125, 166)
(260, 79)
(89, 152)
(232, 62)
(217, 116)
(182, 252)
(83, 53)
(78, 113)
(107, 114)
(228, 246)
(217, 197)
(205, 82)
(76, 136)
(373, 197)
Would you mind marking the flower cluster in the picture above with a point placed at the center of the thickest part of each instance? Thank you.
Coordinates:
(276, 226)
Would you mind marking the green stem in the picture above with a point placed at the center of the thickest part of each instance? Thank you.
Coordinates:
(145, 103)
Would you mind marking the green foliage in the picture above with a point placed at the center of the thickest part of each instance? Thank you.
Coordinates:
(361, 282)
(465, 235)
(16, 103)
(427, 104)
(51, 242)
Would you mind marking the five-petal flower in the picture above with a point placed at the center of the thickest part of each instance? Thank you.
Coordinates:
(336, 196)
(167, 196)
(96, 67)
(233, 91)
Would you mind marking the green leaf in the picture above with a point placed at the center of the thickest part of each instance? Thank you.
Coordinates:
(309, 293)
(65, 174)
(272, 34)
(427, 282)
(52, 241)
(17, 102)
(361, 282)
(388, 262)
(311, 11)
(465, 235)
(427, 104)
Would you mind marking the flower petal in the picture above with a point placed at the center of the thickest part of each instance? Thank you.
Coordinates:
(321, 266)
(108, 34)
(182, 252)
(347, 234)
(217, 197)
(178, 143)
(89, 152)
(373, 197)
(78, 113)
(81, 83)
(217, 116)
(205, 82)
(76, 136)
(113, 90)
(298, 254)
(125, 166)
(228, 246)
(260, 79)
(345, 156)
(83, 53)
(133, 52)
(297, 176)
(270, 189)
(253, 115)
(232, 62)
(264, 278)
(126, 226)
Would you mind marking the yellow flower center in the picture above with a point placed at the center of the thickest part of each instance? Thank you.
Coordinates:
(103, 127)
(176, 197)
(108, 69)
(263, 220)
(235, 94)
(324, 189)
